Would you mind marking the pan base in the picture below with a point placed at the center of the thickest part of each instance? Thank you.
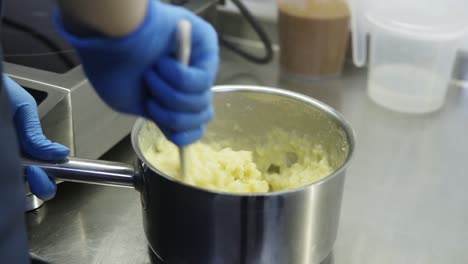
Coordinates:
(156, 260)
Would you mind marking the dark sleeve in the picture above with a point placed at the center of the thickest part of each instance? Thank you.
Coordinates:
(13, 239)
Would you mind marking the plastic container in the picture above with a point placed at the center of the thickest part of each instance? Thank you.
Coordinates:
(412, 50)
(313, 36)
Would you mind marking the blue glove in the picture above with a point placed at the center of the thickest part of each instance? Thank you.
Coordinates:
(31, 139)
(139, 74)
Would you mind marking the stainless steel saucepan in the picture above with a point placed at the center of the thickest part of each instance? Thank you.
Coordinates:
(186, 224)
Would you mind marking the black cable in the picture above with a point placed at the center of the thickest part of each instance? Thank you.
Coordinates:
(39, 36)
(261, 34)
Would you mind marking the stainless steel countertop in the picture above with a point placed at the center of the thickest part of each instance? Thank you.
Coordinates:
(405, 200)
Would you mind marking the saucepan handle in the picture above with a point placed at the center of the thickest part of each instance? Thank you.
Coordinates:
(89, 171)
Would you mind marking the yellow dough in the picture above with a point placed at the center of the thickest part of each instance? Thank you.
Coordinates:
(283, 161)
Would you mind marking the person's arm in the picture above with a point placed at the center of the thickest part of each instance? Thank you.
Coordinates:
(112, 18)
(133, 66)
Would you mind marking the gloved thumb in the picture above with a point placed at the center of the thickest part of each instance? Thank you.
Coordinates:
(31, 138)
(40, 184)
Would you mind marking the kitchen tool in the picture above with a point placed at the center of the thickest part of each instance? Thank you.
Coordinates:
(412, 49)
(184, 42)
(187, 224)
(313, 37)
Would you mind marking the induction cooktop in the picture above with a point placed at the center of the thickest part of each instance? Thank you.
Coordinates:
(36, 57)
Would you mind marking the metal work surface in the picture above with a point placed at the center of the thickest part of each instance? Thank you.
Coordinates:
(405, 198)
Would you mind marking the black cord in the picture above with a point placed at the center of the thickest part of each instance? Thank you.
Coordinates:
(261, 34)
(39, 36)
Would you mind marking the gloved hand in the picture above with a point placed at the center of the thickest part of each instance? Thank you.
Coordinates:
(31, 139)
(139, 74)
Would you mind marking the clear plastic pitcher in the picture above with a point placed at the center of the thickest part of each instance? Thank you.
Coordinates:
(412, 49)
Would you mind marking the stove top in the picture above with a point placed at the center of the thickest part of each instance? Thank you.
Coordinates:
(40, 60)
(29, 37)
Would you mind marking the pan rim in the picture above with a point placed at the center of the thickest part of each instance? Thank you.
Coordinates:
(328, 110)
